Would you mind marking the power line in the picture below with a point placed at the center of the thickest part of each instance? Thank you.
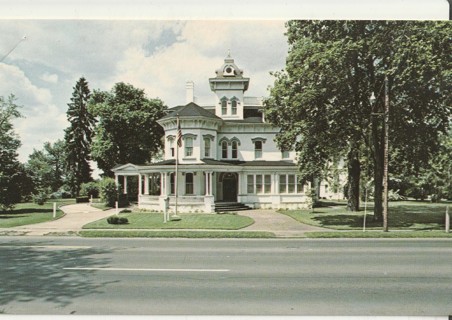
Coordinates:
(17, 44)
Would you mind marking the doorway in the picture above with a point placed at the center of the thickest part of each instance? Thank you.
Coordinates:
(230, 186)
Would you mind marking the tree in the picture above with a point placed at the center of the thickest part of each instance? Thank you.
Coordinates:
(127, 130)
(78, 137)
(322, 101)
(46, 166)
(11, 171)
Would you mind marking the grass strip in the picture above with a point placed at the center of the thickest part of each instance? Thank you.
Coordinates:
(174, 234)
(379, 234)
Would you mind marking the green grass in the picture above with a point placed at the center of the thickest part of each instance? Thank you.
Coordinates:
(403, 215)
(174, 234)
(379, 234)
(31, 213)
(148, 220)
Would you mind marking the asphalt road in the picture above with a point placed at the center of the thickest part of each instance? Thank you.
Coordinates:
(46, 275)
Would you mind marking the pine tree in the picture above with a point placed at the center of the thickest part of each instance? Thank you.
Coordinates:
(78, 137)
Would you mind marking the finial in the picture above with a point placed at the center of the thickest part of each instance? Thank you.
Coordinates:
(229, 53)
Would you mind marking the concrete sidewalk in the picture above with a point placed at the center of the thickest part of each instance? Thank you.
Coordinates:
(77, 215)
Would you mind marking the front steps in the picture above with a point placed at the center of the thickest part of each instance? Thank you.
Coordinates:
(230, 206)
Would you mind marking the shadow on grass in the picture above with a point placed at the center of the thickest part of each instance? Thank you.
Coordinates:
(14, 212)
(35, 271)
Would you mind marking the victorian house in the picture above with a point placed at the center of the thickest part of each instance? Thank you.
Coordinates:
(227, 155)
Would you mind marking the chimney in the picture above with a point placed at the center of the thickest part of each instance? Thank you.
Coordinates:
(190, 91)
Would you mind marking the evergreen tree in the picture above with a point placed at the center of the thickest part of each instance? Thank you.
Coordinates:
(78, 137)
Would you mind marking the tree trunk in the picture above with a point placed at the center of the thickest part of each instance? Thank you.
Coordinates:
(354, 172)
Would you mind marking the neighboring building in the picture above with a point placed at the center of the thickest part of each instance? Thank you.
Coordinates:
(228, 154)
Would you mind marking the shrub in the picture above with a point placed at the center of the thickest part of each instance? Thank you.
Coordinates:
(40, 198)
(90, 189)
(81, 200)
(108, 191)
(117, 220)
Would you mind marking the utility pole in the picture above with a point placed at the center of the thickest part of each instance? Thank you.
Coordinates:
(386, 156)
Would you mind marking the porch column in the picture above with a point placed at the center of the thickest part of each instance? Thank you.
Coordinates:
(125, 185)
(146, 184)
(207, 184)
(275, 183)
(116, 180)
(162, 183)
(210, 183)
(140, 186)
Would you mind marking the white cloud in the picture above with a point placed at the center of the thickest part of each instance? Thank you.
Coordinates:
(50, 78)
(42, 121)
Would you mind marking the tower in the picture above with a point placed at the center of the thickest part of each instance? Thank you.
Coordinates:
(229, 86)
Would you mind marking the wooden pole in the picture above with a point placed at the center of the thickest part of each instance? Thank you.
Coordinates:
(386, 156)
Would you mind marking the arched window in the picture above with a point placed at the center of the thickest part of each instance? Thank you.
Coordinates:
(234, 149)
(258, 149)
(224, 149)
(189, 183)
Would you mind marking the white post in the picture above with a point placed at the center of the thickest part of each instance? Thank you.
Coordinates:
(140, 185)
(365, 212)
(117, 207)
(54, 210)
(146, 184)
(125, 185)
(447, 220)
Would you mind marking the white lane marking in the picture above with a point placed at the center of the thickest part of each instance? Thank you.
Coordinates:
(46, 247)
(147, 269)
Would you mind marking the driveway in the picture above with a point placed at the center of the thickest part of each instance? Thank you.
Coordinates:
(77, 215)
(278, 223)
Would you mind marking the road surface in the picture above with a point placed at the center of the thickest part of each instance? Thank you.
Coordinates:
(45, 275)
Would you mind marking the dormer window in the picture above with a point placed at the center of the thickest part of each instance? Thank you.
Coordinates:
(258, 143)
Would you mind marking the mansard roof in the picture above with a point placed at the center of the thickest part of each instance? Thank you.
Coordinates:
(190, 110)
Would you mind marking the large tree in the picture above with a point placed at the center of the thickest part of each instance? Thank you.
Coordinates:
(322, 100)
(47, 166)
(78, 137)
(127, 130)
(10, 168)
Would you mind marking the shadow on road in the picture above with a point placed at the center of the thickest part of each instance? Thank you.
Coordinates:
(29, 272)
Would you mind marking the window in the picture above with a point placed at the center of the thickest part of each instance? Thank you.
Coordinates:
(285, 154)
(234, 149)
(224, 106)
(259, 184)
(250, 184)
(189, 183)
(172, 182)
(267, 183)
(188, 146)
(154, 184)
(234, 107)
(289, 183)
(283, 183)
(258, 149)
(207, 147)
(224, 149)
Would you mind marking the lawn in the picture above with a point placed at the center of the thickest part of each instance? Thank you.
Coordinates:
(402, 215)
(30, 213)
(217, 234)
(151, 220)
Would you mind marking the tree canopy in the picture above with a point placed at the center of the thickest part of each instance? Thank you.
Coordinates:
(127, 129)
(10, 167)
(322, 100)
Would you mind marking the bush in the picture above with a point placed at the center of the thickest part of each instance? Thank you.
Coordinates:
(90, 189)
(108, 191)
(40, 198)
(81, 200)
(117, 220)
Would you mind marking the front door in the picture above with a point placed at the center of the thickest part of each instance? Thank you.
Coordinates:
(230, 187)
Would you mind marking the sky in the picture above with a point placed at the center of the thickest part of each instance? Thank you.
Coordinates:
(152, 46)
(157, 56)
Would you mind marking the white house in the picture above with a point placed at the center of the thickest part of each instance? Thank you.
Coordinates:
(228, 156)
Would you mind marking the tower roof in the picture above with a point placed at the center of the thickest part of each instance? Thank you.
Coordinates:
(190, 110)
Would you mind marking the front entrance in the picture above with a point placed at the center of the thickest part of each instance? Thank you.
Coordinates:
(230, 186)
